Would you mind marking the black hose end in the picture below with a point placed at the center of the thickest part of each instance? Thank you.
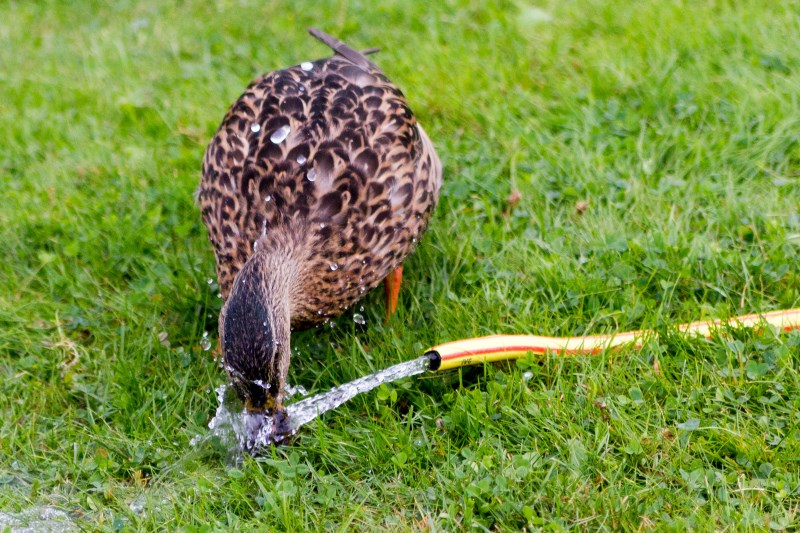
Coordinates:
(435, 359)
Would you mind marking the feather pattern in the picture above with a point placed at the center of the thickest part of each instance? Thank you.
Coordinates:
(323, 160)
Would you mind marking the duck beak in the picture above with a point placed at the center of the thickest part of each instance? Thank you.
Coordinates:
(267, 405)
(265, 429)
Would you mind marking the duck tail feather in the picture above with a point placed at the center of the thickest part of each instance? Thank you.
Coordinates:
(354, 56)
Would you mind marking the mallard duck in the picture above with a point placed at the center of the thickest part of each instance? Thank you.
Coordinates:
(316, 186)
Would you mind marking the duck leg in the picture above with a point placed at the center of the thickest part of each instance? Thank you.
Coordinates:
(392, 286)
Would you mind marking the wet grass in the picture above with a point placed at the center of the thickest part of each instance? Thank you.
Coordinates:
(655, 149)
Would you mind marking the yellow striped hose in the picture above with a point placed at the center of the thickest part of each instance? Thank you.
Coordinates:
(505, 347)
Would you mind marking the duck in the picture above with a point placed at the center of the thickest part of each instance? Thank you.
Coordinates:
(316, 186)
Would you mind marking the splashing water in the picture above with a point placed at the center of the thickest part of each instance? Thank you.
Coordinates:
(240, 430)
(205, 342)
(137, 506)
(229, 424)
(38, 519)
(295, 390)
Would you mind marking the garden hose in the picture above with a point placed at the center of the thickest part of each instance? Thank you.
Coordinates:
(506, 347)
(491, 349)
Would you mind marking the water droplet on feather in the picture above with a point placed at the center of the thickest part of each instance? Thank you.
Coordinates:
(279, 135)
(262, 384)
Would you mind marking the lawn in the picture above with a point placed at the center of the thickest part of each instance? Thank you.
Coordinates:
(655, 149)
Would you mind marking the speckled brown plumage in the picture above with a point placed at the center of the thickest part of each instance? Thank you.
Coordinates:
(316, 186)
(351, 186)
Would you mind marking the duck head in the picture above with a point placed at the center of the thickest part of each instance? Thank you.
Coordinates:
(255, 334)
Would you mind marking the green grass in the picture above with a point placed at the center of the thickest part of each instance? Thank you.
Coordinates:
(679, 123)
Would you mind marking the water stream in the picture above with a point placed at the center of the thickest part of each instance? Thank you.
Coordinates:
(241, 430)
(37, 519)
